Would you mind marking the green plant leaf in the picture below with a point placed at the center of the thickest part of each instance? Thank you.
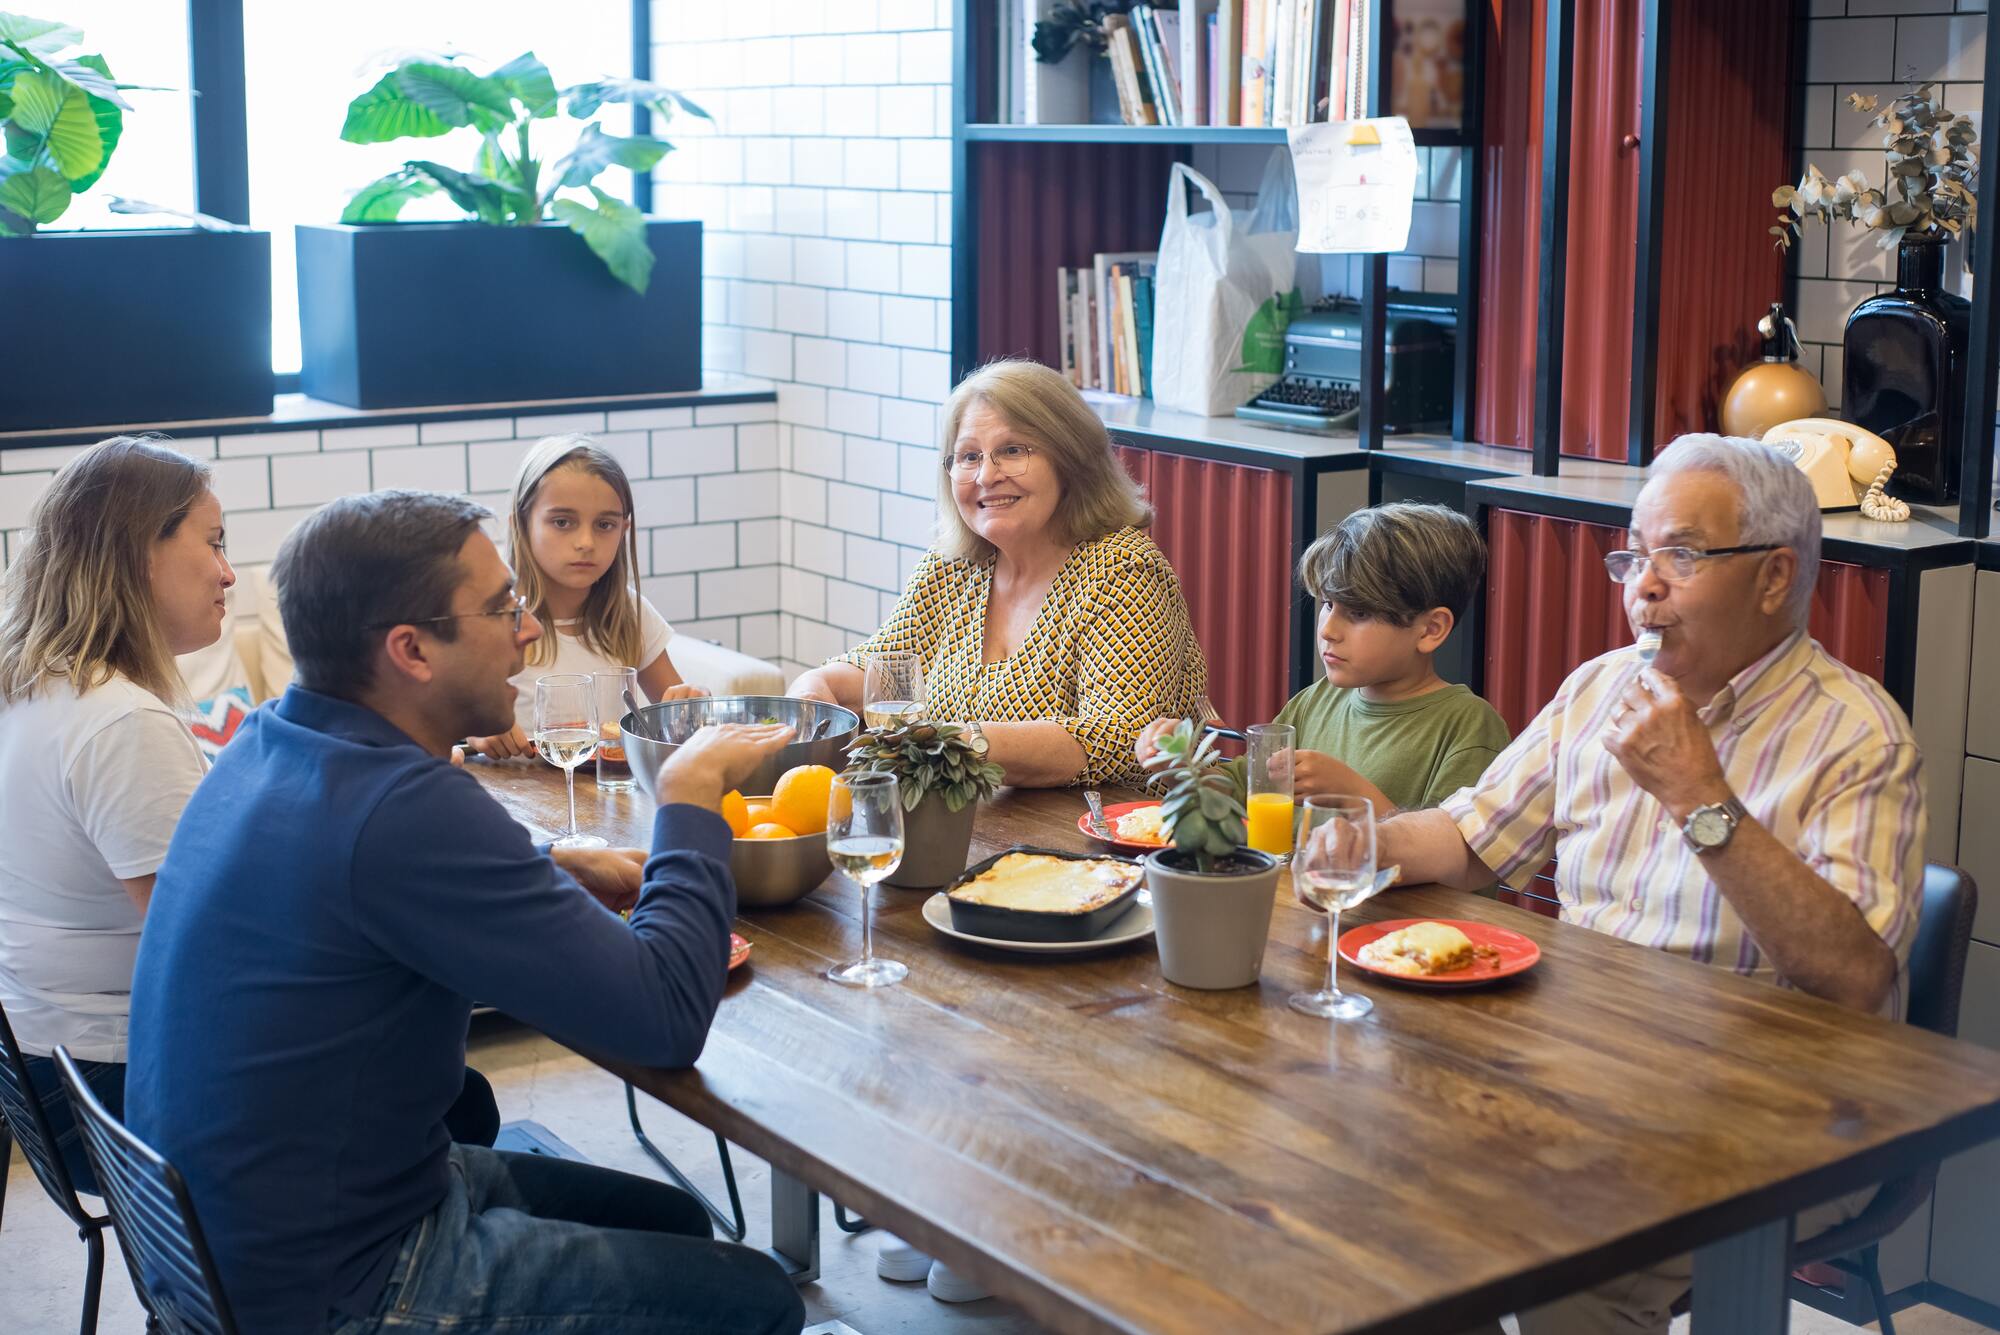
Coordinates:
(384, 113)
(615, 232)
(42, 36)
(596, 150)
(59, 112)
(382, 200)
(529, 81)
(110, 126)
(90, 74)
(585, 98)
(39, 194)
(456, 96)
(484, 199)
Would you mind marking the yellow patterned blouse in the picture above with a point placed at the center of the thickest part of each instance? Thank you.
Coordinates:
(1110, 651)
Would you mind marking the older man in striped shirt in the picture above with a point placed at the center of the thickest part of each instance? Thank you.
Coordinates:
(1744, 800)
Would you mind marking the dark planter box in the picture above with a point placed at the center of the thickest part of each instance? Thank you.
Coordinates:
(110, 328)
(403, 315)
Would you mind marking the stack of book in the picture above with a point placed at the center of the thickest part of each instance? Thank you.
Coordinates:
(1105, 314)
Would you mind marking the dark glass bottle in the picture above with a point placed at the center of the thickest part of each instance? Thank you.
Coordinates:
(1905, 372)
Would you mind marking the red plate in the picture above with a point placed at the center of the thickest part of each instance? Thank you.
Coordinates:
(739, 950)
(1111, 815)
(1517, 953)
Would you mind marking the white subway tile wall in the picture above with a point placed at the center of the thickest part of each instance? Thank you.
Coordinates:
(824, 183)
(1876, 47)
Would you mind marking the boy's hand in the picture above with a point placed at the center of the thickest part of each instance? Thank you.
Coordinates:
(503, 746)
(1318, 772)
(1148, 744)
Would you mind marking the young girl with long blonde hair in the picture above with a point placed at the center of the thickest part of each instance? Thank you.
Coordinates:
(575, 548)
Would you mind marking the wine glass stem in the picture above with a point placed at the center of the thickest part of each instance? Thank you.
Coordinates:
(1333, 950)
(867, 927)
(570, 774)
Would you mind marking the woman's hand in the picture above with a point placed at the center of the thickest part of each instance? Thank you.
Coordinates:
(813, 685)
(1148, 744)
(503, 746)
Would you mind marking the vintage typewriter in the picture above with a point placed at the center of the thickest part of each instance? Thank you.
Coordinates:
(1320, 389)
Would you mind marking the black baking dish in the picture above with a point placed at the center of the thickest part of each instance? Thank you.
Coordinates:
(1033, 924)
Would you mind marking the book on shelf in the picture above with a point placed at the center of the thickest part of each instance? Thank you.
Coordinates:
(1226, 93)
(1105, 321)
(1197, 38)
(1133, 101)
(1152, 58)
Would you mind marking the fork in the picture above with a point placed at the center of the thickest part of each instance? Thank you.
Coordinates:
(1097, 821)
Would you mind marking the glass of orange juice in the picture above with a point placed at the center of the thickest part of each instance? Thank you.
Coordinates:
(1270, 774)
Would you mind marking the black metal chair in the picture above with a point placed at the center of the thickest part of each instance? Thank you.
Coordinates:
(1936, 982)
(28, 1122)
(157, 1228)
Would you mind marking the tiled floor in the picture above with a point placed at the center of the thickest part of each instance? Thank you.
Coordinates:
(41, 1262)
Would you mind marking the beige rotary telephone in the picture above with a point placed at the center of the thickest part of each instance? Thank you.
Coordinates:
(1847, 465)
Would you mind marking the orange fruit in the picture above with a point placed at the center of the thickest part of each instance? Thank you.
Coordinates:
(736, 811)
(799, 800)
(758, 813)
(769, 830)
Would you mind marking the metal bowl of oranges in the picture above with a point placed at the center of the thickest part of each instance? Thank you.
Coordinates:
(779, 856)
(822, 733)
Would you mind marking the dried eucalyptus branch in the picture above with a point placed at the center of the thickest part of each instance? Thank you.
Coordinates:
(1932, 167)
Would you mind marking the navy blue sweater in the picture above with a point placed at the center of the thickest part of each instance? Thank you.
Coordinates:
(333, 900)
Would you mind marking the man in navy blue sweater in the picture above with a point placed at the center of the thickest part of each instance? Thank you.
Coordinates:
(336, 894)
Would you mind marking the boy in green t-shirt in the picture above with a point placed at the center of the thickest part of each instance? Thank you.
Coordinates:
(1391, 582)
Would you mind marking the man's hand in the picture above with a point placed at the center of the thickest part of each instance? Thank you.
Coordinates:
(1658, 736)
(716, 759)
(503, 746)
(612, 875)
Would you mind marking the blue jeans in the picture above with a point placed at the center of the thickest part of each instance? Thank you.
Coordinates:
(106, 1080)
(528, 1244)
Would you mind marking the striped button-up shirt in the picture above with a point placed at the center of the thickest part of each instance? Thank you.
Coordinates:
(1821, 756)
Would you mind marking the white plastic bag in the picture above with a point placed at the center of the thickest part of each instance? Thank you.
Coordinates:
(1223, 293)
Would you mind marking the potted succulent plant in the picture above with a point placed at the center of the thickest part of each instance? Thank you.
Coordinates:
(553, 288)
(1903, 372)
(1212, 893)
(944, 773)
(111, 326)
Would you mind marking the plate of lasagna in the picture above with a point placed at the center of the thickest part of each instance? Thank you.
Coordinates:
(1438, 952)
(1045, 900)
(1134, 825)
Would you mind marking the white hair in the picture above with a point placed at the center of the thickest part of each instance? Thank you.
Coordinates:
(1777, 503)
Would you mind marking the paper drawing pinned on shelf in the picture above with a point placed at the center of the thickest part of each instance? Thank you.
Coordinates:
(1357, 181)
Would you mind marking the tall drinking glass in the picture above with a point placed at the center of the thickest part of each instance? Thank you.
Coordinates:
(566, 735)
(864, 837)
(892, 689)
(1334, 869)
(1270, 773)
(614, 772)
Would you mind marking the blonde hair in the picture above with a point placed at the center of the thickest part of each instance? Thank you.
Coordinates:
(610, 617)
(79, 601)
(1098, 496)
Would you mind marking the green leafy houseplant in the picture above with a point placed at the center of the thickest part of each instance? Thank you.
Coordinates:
(1202, 815)
(61, 115)
(508, 185)
(1932, 163)
(948, 759)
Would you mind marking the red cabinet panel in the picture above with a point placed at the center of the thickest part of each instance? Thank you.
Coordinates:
(1549, 608)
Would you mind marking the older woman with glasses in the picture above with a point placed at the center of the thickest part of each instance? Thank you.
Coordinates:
(1044, 612)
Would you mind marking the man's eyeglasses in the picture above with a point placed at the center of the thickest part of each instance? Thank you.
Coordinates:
(1008, 460)
(516, 609)
(1675, 565)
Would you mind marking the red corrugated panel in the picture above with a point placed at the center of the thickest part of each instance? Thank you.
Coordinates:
(1729, 77)
(1510, 228)
(1044, 207)
(1549, 608)
(1227, 530)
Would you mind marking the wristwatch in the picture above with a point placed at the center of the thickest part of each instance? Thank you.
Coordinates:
(1712, 827)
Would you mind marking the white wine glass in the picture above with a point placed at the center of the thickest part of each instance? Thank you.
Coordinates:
(1333, 868)
(566, 736)
(864, 837)
(892, 689)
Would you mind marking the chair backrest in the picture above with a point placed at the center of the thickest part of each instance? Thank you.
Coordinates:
(29, 1122)
(157, 1229)
(1937, 956)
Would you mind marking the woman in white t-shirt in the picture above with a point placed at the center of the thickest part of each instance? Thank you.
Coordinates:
(575, 549)
(123, 568)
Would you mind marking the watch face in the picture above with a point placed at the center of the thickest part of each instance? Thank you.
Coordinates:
(1709, 827)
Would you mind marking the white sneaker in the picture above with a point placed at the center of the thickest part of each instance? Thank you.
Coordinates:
(898, 1260)
(948, 1286)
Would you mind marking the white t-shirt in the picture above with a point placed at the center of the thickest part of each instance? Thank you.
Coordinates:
(91, 788)
(572, 655)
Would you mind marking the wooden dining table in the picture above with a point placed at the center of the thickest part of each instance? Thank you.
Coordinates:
(1114, 1153)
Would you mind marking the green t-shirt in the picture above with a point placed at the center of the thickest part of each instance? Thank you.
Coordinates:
(1417, 751)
